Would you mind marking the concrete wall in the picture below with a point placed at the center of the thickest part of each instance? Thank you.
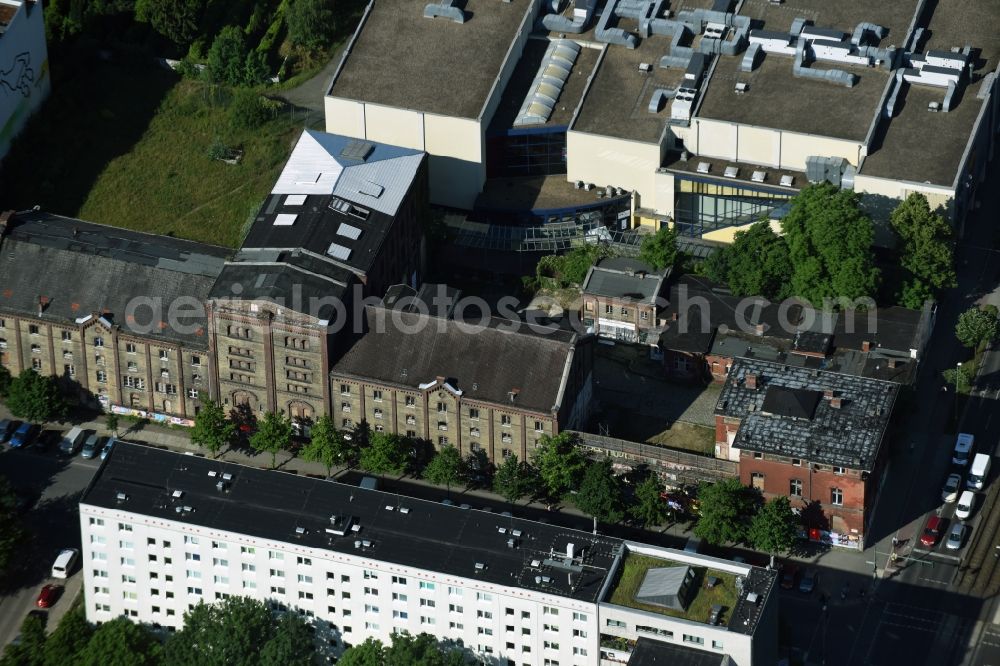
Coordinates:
(767, 147)
(345, 117)
(24, 70)
(603, 161)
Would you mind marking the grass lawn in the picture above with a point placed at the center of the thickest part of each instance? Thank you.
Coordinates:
(687, 436)
(634, 571)
(127, 145)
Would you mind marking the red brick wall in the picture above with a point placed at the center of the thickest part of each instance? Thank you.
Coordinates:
(816, 485)
(716, 366)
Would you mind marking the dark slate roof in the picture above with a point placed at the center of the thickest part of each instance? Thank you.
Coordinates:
(485, 363)
(624, 278)
(790, 403)
(272, 504)
(651, 652)
(776, 421)
(436, 299)
(83, 268)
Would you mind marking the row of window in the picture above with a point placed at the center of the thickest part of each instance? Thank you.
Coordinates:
(797, 462)
(795, 488)
(625, 313)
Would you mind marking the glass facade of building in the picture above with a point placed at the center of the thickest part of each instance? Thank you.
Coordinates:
(704, 205)
(527, 153)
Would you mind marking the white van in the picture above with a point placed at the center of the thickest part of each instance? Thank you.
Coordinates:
(72, 442)
(966, 502)
(963, 448)
(64, 563)
(978, 472)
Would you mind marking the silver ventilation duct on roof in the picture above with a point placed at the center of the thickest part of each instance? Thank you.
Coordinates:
(444, 9)
(583, 13)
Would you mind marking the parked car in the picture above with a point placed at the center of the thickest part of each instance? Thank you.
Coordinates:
(24, 435)
(48, 596)
(92, 446)
(789, 573)
(808, 582)
(932, 531)
(63, 565)
(951, 485)
(7, 427)
(965, 505)
(956, 537)
(106, 449)
(70, 444)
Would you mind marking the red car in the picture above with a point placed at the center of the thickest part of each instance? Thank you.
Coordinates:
(48, 596)
(932, 532)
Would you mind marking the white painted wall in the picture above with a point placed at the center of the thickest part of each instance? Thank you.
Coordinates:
(24, 70)
(604, 161)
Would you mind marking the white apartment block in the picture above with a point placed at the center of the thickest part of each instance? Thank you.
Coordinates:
(162, 531)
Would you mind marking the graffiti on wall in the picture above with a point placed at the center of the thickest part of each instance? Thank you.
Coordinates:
(19, 76)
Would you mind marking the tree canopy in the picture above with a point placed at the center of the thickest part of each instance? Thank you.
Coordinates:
(177, 20)
(660, 249)
(559, 463)
(12, 530)
(926, 251)
(311, 23)
(775, 528)
(35, 398)
(121, 642)
(5, 380)
(726, 507)
(976, 326)
(212, 430)
(327, 445)
(274, 434)
(757, 263)
(830, 245)
(513, 479)
(445, 468)
(385, 454)
(600, 493)
(649, 508)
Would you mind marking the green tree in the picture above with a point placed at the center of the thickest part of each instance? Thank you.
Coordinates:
(35, 398)
(830, 245)
(12, 532)
(227, 57)
(976, 326)
(926, 251)
(274, 434)
(649, 508)
(445, 468)
(478, 469)
(111, 421)
(5, 380)
(775, 528)
(290, 645)
(600, 493)
(327, 445)
(660, 249)
(385, 454)
(311, 23)
(369, 653)
(69, 639)
(560, 465)
(236, 629)
(212, 430)
(255, 69)
(408, 650)
(513, 479)
(121, 642)
(960, 378)
(177, 20)
(755, 264)
(31, 650)
(726, 507)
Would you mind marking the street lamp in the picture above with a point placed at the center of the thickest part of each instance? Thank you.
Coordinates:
(958, 372)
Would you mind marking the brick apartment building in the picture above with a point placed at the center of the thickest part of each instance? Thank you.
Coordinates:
(343, 222)
(493, 389)
(816, 437)
(621, 299)
(92, 305)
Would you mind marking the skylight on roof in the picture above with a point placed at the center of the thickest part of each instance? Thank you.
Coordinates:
(348, 231)
(284, 219)
(338, 251)
(370, 189)
(295, 199)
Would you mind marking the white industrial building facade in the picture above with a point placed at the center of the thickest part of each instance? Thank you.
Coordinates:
(157, 538)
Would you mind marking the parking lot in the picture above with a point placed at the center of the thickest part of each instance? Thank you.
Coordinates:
(55, 485)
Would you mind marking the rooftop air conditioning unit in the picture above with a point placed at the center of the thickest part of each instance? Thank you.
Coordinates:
(758, 176)
(787, 181)
(934, 107)
(731, 172)
(704, 167)
(645, 67)
(742, 87)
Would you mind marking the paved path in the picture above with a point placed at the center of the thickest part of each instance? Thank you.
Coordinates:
(310, 94)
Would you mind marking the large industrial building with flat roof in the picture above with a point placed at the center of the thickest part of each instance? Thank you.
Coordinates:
(707, 114)
(162, 531)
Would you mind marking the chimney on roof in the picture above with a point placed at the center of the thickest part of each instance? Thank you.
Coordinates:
(866, 346)
(513, 394)
(751, 382)
(43, 302)
(440, 379)
(836, 403)
(828, 393)
(673, 316)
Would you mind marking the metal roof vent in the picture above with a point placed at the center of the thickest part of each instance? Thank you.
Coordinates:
(535, 564)
(511, 543)
(731, 172)
(502, 530)
(227, 477)
(222, 487)
(786, 181)
(752, 598)
(177, 494)
(516, 533)
(758, 176)
(480, 566)
(389, 507)
(213, 474)
(301, 531)
(704, 167)
(121, 497)
(404, 510)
